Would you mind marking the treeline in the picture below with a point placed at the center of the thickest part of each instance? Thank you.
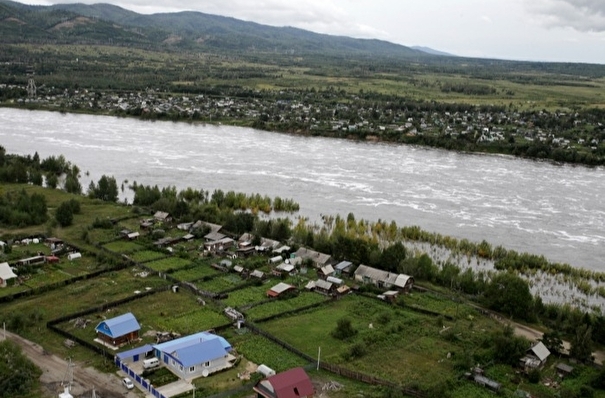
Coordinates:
(179, 203)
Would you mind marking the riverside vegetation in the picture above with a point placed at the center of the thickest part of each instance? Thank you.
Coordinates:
(424, 342)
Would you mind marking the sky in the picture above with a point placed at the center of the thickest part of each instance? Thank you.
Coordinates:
(533, 30)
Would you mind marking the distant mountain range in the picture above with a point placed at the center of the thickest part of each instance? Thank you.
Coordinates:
(431, 51)
(109, 24)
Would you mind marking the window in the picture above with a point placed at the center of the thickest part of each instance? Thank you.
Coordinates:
(173, 362)
(181, 368)
(191, 369)
(207, 364)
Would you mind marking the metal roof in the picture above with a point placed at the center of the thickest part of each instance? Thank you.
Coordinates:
(281, 287)
(199, 352)
(320, 283)
(119, 326)
(293, 383)
(135, 351)
(343, 265)
(187, 341)
(540, 351)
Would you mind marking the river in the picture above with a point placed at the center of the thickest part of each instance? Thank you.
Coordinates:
(528, 206)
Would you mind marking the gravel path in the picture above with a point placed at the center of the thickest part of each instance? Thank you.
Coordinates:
(54, 371)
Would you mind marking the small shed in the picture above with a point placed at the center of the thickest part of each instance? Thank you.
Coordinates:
(324, 287)
(325, 271)
(257, 274)
(275, 260)
(7, 276)
(564, 369)
(74, 256)
(280, 289)
(343, 267)
(265, 370)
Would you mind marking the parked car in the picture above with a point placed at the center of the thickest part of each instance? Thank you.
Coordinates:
(127, 383)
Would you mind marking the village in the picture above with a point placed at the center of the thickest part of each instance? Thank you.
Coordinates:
(340, 114)
(233, 286)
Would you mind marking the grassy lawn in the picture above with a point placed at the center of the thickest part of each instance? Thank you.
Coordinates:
(278, 306)
(220, 283)
(167, 264)
(199, 271)
(260, 350)
(146, 255)
(122, 246)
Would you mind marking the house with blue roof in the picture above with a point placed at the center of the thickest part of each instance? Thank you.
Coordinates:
(199, 354)
(119, 330)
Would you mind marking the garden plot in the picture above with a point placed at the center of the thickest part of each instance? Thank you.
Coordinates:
(168, 264)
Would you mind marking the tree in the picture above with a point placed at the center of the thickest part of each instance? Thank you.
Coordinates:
(392, 256)
(552, 341)
(106, 189)
(581, 343)
(72, 184)
(344, 329)
(508, 348)
(52, 181)
(64, 214)
(19, 374)
(510, 294)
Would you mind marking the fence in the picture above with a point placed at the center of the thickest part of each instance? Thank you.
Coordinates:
(364, 378)
(138, 379)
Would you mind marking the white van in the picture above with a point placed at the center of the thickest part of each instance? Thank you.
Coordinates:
(151, 363)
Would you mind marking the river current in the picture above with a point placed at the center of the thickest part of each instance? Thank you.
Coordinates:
(528, 206)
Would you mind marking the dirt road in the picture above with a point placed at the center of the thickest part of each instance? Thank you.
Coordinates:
(84, 379)
(535, 335)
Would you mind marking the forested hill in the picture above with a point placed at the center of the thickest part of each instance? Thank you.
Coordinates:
(109, 24)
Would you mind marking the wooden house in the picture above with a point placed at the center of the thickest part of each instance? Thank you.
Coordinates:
(119, 330)
(280, 289)
(383, 279)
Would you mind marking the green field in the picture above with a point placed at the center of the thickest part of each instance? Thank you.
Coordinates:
(167, 264)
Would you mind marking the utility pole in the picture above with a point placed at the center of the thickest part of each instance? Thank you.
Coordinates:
(318, 355)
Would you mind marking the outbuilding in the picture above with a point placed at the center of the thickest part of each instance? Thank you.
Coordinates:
(289, 384)
(7, 276)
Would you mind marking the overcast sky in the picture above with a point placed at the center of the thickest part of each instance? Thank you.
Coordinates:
(536, 30)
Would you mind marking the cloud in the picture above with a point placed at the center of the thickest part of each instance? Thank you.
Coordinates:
(581, 15)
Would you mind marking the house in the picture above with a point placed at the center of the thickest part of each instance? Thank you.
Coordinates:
(214, 236)
(285, 268)
(535, 357)
(7, 276)
(343, 267)
(280, 289)
(325, 271)
(200, 354)
(245, 251)
(133, 235)
(324, 287)
(119, 330)
(293, 383)
(383, 279)
(162, 216)
(319, 259)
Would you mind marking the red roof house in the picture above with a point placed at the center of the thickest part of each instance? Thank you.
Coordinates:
(293, 383)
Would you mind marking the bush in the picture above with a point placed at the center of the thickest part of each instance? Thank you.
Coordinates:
(344, 329)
